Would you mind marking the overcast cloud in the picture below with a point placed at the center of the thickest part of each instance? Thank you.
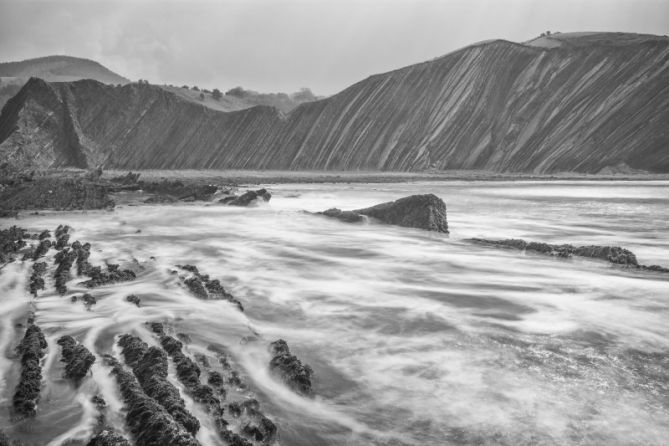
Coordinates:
(282, 45)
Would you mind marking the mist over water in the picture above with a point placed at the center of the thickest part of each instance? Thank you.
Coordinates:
(416, 338)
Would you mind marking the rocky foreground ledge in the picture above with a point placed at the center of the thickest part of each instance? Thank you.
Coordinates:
(155, 409)
(415, 211)
(66, 191)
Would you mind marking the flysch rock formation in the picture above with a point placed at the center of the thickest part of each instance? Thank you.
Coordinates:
(578, 103)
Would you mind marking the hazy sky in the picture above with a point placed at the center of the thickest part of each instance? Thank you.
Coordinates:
(282, 45)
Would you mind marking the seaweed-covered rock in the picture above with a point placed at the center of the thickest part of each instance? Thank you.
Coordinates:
(41, 249)
(62, 236)
(149, 365)
(83, 253)
(147, 420)
(345, 216)
(188, 374)
(613, 254)
(64, 259)
(77, 358)
(32, 349)
(112, 275)
(205, 288)
(196, 287)
(107, 437)
(254, 424)
(234, 439)
(36, 278)
(416, 211)
(12, 240)
(56, 193)
(247, 198)
(289, 368)
(133, 299)
(87, 299)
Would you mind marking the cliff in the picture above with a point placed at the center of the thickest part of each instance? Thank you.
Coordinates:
(573, 102)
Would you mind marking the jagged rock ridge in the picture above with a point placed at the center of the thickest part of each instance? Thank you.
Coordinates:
(589, 104)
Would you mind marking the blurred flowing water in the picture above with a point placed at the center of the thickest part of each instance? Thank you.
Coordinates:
(416, 338)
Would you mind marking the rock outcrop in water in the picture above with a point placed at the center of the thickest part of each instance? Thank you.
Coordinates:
(149, 365)
(57, 194)
(12, 240)
(247, 198)
(31, 349)
(77, 358)
(416, 211)
(584, 103)
(37, 277)
(147, 420)
(290, 369)
(204, 287)
(613, 254)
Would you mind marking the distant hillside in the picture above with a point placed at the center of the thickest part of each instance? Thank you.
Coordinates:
(61, 69)
(239, 99)
(583, 103)
(13, 75)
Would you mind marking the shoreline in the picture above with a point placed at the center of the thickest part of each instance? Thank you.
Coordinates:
(317, 177)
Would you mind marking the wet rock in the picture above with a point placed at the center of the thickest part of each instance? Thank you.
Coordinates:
(254, 424)
(86, 298)
(196, 287)
(247, 198)
(83, 253)
(44, 234)
(41, 249)
(415, 211)
(133, 299)
(205, 288)
(64, 259)
(56, 193)
(234, 439)
(77, 358)
(215, 379)
(107, 437)
(36, 278)
(613, 254)
(157, 328)
(149, 364)
(188, 374)
(656, 268)
(289, 368)
(32, 349)
(147, 420)
(345, 216)
(62, 236)
(112, 275)
(12, 240)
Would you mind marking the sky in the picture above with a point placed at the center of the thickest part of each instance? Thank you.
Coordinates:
(284, 45)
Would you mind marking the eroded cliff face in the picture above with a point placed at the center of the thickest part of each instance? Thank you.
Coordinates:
(497, 106)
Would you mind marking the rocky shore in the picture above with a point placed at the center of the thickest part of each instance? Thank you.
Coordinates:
(90, 190)
(613, 254)
(155, 409)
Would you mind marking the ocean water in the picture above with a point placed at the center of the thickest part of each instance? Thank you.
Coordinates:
(416, 338)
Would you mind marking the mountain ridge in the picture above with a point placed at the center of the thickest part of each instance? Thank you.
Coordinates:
(495, 105)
